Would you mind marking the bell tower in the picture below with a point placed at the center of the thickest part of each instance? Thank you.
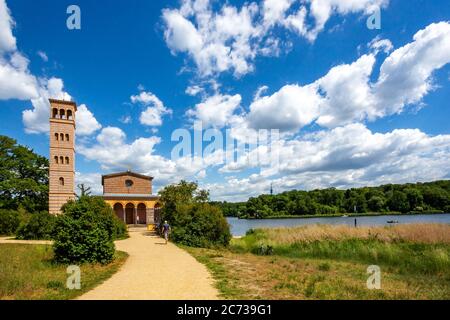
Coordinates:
(62, 154)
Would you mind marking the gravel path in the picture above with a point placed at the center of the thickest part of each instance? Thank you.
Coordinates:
(155, 271)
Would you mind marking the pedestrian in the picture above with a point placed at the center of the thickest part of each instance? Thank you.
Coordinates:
(166, 231)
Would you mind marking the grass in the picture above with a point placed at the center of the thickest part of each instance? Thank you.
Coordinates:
(319, 262)
(28, 272)
(423, 248)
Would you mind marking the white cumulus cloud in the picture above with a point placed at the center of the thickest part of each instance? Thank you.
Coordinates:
(155, 109)
(87, 124)
(216, 110)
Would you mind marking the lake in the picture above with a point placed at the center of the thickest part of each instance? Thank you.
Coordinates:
(240, 226)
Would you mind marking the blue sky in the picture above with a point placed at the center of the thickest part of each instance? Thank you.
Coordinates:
(354, 106)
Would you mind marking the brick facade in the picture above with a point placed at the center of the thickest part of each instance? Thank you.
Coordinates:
(130, 196)
(62, 154)
(116, 183)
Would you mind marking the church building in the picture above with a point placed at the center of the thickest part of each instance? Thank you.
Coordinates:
(128, 193)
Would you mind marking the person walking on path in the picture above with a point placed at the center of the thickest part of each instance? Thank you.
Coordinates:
(166, 231)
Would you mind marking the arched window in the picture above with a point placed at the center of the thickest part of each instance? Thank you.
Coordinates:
(61, 181)
(61, 160)
(67, 137)
(61, 135)
(69, 115)
(56, 159)
(56, 136)
(67, 160)
(55, 113)
(62, 113)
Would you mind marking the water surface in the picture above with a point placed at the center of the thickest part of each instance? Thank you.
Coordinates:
(240, 226)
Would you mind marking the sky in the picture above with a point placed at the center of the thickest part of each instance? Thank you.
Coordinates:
(350, 93)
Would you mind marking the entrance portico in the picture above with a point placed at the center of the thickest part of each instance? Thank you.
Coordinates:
(133, 211)
(129, 194)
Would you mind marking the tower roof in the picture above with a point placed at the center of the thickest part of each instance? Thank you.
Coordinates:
(66, 102)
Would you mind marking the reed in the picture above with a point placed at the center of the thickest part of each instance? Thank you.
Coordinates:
(417, 233)
(418, 248)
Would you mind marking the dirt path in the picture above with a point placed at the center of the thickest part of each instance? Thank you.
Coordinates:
(155, 271)
(11, 240)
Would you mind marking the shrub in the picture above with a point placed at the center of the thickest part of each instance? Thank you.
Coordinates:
(9, 221)
(120, 229)
(194, 222)
(264, 250)
(199, 225)
(86, 231)
(40, 226)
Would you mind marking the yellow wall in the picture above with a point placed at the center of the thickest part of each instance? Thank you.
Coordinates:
(148, 204)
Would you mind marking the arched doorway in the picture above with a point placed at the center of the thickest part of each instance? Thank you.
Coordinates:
(129, 213)
(118, 209)
(142, 213)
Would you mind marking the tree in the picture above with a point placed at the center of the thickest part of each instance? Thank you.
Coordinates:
(398, 202)
(194, 222)
(23, 177)
(376, 203)
(415, 198)
(84, 191)
(436, 197)
(183, 192)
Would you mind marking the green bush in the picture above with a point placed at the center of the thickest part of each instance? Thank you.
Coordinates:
(86, 231)
(40, 226)
(120, 229)
(194, 222)
(199, 225)
(9, 221)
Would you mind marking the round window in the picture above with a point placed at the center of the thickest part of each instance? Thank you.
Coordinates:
(129, 183)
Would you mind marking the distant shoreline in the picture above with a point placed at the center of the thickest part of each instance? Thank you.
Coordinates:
(349, 215)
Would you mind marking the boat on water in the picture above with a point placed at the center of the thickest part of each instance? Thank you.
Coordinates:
(392, 221)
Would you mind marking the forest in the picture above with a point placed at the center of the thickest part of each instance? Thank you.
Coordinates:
(429, 197)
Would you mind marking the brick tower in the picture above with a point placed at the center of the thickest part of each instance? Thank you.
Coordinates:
(62, 154)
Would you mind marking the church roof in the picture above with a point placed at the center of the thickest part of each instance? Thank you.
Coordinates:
(126, 173)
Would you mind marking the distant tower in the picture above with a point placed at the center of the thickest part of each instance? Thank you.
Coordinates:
(271, 189)
(62, 154)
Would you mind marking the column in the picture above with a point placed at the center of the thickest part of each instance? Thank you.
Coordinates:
(135, 214)
(150, 216)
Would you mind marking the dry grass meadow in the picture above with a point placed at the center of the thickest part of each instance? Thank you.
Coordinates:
(418, 233)
(330, 262)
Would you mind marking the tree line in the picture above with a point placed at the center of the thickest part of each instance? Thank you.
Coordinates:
(398, 198)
